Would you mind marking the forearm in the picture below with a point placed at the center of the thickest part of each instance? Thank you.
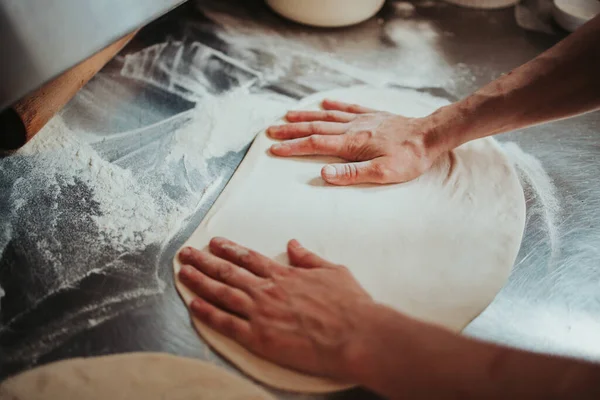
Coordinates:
(410, 359)
(562, 82)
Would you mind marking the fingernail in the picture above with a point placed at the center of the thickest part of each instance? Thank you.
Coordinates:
(271, 130)
(295, 244)
(280, 147)
(185, 252)
(196, 304)
(186, 270)
(329, 171)
(217, 241)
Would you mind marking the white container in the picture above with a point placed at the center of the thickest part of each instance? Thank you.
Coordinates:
(326, 13)
(485, 4)
(571, 14)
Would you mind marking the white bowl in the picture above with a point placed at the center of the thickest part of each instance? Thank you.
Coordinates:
(326, 13)
(571, 14)
(485, 4)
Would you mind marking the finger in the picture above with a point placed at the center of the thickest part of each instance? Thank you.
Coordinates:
(251, 260)
(229, 325)
(327, 115)
(216, 292)
(312, 145)
(219, 269)
(303, 258)
(328, 104)
(372, 171)
(302, 129)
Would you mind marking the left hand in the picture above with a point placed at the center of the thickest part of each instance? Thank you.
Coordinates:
(309, 317)
(381, 147)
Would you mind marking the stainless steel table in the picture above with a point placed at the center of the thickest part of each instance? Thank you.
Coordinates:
(92, 211)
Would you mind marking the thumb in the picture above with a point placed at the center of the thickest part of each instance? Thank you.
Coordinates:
(372, 171)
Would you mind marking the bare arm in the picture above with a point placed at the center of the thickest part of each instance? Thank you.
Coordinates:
(381, 147)
(410, 359)
(560, 83)
(316, 318)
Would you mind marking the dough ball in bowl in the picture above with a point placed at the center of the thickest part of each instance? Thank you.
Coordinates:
(326, 13)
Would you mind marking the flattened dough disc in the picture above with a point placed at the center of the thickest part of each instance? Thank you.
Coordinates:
(438, 248)
(147, 376)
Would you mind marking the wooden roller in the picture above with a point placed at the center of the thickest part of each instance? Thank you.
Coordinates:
(19, 123)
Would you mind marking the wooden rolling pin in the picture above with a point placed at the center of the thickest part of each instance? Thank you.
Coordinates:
(19, 123)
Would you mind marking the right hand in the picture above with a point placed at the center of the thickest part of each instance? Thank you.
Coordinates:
(308, 317)
(382, 147)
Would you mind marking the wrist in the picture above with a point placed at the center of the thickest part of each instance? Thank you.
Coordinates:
(359, 351)
(365, 354)
(447, 128)
(427, 361)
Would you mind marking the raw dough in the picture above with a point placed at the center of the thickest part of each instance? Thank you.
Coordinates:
(438, 248)
(147, 376)
(326, 13)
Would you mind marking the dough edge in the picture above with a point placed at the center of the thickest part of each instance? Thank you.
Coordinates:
(28, 381)
(264, 371)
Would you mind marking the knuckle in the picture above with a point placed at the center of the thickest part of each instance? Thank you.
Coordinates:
(251, 258)
(355, 146)
(228, 326)
(197, 257)
(350, 171)
(381, 172)
(197, 282)
(365, 135)
(224, 273)
(273, 291)
(236, 302)
(265, 338)
(207, 314)
(314, 142)
(332, 116)
(245, 258)
(303, 257)
(314, 127)
(222, 293)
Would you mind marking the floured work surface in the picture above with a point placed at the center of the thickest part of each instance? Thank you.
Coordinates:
(438, 248)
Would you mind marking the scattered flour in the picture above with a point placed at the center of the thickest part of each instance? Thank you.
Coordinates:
(131, 204)
(130, 217)
(227, 123)
(415, 45)
(107, 211)
(540, 193)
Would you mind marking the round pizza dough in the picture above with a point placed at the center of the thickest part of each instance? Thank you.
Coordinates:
(147, 376)
(438, 248)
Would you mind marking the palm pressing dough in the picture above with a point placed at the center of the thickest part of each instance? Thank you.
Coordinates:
(438, 248)
(147, 376)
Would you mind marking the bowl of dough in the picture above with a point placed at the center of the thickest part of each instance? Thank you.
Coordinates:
(326, 13)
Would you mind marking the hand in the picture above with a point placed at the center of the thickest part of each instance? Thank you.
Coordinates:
(306, 318)
(383, 147)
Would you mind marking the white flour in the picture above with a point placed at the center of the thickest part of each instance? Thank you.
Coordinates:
(226, 123)
(542, 200)
(130, 218)
(124, 207)
(139, 199)
(414, 62)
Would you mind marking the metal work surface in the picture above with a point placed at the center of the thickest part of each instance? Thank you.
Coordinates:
(42, 38)
(94, 208)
